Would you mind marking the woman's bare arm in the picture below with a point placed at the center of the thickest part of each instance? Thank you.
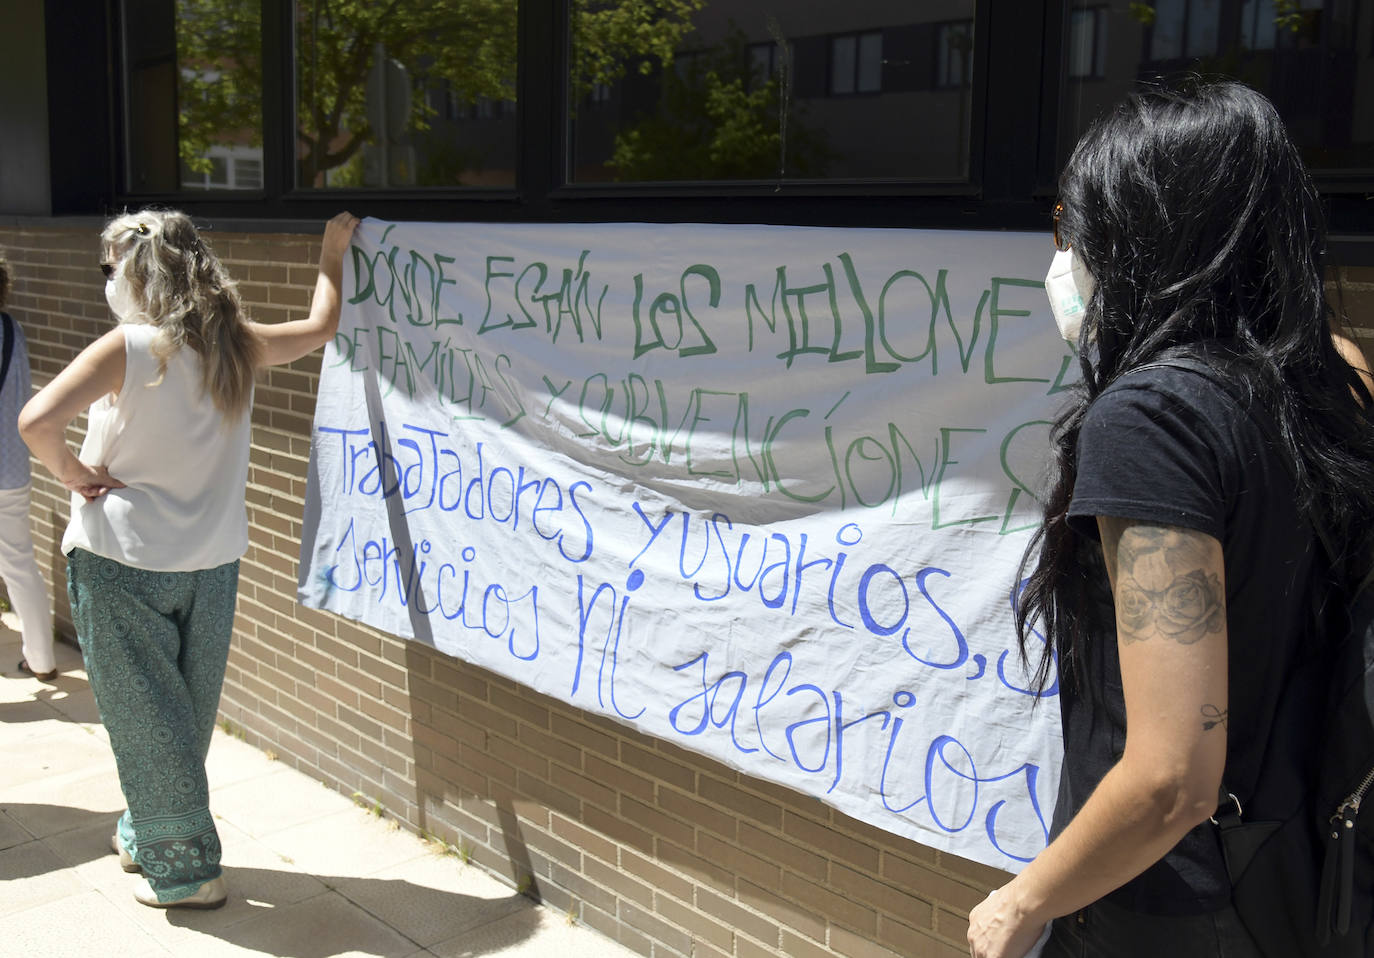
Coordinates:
(1169, 589)
(1354, 357)
(289, 341)
(97, 371)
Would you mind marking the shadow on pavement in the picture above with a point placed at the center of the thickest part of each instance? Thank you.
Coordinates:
(283, 912)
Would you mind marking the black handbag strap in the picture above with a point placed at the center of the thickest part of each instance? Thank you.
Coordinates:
(9, 348)
(1229, 812)
(1262, 420)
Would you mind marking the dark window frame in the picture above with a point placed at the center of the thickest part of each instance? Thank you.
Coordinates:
(1010, 183)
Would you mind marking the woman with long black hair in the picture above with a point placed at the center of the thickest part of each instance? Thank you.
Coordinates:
(1177, 562)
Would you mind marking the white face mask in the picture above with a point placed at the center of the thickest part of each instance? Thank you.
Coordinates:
(1069, 286)
(120, 299)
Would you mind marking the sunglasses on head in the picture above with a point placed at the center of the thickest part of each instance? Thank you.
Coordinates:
(140, 230)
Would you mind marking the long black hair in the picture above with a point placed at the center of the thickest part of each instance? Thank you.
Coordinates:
(1194, 213)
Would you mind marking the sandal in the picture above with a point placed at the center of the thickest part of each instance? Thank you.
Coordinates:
(126, 861)
(40, 676)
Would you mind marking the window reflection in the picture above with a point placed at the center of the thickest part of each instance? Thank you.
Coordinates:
(193, 94)
(415, 93)
(954, 54)
(1202, 27)
(765, 90)
(1258, 26)
(1305, 55)
(1087, 42)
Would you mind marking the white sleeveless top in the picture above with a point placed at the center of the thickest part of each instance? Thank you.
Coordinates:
(184, 466)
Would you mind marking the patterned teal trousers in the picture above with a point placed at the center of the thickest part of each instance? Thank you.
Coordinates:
(155, 646)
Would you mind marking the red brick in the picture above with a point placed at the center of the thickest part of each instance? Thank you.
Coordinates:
(736, 916)
(786, 852)
(616, 776)
(616, 879)
(735, 859)
(787, 913)
(817, 835)
(884, 896)
(796, 946)
(617, 829)
(826, 901)
(589, 841)
(700, 869)
(742, 801)
(933, 886)
(659, 767)
(720, 936)
(589, 738)
(947, 924)
(664, 881)
(657, 822)
(855, 946)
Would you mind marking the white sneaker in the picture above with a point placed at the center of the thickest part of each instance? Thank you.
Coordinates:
(126, 861)
(212, 894)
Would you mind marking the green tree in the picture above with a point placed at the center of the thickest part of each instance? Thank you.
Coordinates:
(719, 118)
(1289, 15)
(219, 61)
(466, 47)
(610, 36)
(470, 44)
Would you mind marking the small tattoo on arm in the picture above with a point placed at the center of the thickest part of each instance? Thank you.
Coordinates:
(1213, 716)
(1165, 585)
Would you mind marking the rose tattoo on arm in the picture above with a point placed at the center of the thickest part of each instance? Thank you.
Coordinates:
(1164, 582)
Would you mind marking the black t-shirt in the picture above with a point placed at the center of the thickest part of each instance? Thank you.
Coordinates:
(1169, 446)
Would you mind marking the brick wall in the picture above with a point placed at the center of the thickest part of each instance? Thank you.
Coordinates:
(665, 851)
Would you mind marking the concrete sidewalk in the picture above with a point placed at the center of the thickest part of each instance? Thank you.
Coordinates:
(310, 873)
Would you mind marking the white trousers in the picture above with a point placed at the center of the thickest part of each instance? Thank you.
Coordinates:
(24, 581)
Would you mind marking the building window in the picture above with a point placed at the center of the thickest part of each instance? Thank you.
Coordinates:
(224, 168)
(248, 173)
(954, 54)
(1087, 43)
(1185, 28)
(368, 121)
(712, 109)
(1258, 29)
(806, 95)
(768, 60)
(192, 91)
(856, 63)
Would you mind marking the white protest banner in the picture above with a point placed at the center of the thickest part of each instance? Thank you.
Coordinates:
(757, 491)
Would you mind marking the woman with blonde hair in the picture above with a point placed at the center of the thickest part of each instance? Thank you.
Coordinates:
(158, 519)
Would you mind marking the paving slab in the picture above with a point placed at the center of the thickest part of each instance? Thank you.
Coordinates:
(83, 925)
(434, 898)
(311, 874)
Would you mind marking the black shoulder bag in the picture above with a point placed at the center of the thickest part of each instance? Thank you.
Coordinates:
(1303, 883)
(9, 348)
